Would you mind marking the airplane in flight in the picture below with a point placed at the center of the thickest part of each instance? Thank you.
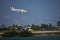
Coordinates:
(18, 10)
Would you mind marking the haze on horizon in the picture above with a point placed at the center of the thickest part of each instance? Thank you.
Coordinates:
(38, 12)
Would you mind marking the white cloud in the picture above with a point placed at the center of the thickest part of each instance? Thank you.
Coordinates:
(18, 10)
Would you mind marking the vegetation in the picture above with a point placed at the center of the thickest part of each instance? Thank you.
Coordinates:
(58, 24)
(17, 34)
(10, 34)
(26, 33)
(43, 27)
(34, 27)
(19, 31)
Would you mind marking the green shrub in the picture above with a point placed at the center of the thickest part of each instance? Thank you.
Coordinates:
(16, 34)
(25, 34)
(10, 34)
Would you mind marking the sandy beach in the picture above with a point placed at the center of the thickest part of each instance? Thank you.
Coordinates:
(45, 31)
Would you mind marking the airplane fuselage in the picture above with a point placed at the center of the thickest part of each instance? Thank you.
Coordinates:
(18, 10)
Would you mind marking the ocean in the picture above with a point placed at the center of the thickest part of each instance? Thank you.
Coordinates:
(32, 38)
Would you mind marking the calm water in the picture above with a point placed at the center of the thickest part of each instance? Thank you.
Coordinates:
(33, 38)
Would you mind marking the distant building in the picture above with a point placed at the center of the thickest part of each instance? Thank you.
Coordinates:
(58, 24)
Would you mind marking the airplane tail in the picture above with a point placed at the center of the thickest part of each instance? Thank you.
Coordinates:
(12, 7)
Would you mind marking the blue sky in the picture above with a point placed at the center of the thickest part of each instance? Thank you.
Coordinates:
(38, 12)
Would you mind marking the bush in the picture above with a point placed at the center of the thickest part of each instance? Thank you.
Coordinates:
(10, 34)
(25, 34)
(16, 34)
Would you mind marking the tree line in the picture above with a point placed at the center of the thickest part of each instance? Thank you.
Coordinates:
(33, 27)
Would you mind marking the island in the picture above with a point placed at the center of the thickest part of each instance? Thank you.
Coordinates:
(28, 31)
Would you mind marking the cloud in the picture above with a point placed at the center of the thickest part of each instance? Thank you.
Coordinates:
(18, 10)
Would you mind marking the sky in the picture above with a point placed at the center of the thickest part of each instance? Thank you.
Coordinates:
(38, 12)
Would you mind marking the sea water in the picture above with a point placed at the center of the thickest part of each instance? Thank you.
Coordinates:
(32, 38)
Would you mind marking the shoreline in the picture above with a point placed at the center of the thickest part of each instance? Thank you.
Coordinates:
(41, 33)
(38, 32)
(47, 35)
(45, 32)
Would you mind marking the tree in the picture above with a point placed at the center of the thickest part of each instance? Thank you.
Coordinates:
(58, 23)
(3, 25)
(26, 33)
(35, 27)
(11, 34)
(44, 26)
(17, 34)
(13, 25)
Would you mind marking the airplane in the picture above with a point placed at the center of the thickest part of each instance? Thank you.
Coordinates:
(19, 10)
